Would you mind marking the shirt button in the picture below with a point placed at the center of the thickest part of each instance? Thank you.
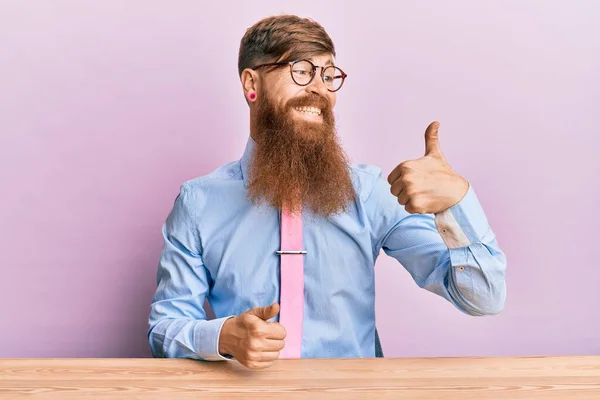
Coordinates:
(461, 268)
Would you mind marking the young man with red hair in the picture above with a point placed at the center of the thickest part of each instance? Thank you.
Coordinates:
(283, 242)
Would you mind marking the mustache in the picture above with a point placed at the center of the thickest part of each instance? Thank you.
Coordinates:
(310, 100)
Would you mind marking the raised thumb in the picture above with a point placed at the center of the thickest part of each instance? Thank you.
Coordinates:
(432, 143)
(265, 313)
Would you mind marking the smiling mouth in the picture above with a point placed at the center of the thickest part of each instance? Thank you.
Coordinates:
(309, 111)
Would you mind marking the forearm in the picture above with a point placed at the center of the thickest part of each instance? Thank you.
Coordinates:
(186, 338)
(475, 279)
(475, 276)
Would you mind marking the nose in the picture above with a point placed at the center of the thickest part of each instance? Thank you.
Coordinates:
(317, 85)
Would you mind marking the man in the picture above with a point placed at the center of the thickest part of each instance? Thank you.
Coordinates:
(224, 240)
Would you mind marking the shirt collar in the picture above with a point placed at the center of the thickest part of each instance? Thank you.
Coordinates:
(245, 161)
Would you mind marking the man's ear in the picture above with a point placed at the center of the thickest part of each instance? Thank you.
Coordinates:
(250, 82)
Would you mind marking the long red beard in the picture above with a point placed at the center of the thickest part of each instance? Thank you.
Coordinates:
(299, 163)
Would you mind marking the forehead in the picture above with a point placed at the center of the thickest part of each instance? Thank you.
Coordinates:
(323, 59)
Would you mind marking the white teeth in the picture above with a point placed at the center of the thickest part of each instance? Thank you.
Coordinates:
(309, 110)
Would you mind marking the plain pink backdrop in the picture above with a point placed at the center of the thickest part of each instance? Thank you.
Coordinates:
(106, 107)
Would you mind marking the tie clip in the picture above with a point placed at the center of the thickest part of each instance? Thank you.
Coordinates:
(280, 252)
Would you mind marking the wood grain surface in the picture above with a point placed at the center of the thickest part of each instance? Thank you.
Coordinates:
(389, 378)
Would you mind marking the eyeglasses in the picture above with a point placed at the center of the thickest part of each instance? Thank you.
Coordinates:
(303, 72)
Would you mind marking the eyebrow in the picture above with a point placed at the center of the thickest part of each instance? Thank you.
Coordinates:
(329, 62)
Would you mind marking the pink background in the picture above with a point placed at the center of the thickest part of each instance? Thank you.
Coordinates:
(106, 107)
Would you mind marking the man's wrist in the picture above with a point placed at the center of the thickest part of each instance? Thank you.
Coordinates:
(225, 346)
(462, 188)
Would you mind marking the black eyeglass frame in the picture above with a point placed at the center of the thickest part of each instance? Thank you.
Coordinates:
(314, 71)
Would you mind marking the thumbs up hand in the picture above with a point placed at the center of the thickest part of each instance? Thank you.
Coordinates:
(427, 185)
(251, 339)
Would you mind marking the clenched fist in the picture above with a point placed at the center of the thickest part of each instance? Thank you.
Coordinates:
(427, 185)
(251, 340)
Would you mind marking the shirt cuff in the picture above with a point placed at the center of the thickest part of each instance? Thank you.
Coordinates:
(207, 339)
(463, 223)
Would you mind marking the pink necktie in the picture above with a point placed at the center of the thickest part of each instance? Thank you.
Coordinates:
(292, 283)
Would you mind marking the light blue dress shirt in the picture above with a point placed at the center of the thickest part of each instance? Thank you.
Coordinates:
(219, 246)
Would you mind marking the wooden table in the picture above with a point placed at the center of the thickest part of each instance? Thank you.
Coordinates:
(406, 378)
